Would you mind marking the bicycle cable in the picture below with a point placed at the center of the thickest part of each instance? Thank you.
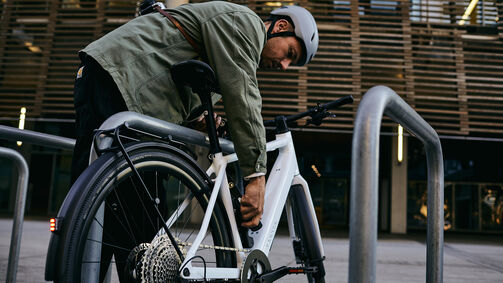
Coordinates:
(204, 264)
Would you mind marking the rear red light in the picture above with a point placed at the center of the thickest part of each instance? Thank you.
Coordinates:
(53, 224)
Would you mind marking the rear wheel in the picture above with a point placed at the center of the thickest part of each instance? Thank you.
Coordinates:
(114, 228)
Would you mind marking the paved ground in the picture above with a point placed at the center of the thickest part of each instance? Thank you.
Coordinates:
(470, 259)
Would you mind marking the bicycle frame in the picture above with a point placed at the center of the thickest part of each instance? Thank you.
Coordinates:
(284, 174)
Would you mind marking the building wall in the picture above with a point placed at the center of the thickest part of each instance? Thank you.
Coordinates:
(449, 71)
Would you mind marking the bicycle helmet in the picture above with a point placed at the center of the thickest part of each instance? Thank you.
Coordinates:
(305, 29)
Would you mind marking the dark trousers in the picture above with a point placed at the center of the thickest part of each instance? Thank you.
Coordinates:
(96, 97)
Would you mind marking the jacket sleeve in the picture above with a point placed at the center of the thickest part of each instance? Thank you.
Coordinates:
(233, 43)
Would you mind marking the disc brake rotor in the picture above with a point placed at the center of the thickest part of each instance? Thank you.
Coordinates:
(256, 263)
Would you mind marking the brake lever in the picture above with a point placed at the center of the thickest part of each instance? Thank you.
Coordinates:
(318, 116)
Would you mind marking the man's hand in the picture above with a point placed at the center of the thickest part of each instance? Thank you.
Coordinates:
(252, 202)
(200, 123)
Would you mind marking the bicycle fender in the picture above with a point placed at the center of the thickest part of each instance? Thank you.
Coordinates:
(314, 250)
(54, 252)
(57, 239)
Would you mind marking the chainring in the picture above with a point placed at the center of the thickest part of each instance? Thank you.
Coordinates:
(256, 263)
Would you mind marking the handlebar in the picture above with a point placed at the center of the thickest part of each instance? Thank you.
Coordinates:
(317, 113)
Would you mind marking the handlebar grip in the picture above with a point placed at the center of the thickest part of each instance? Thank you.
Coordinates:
(339, 102)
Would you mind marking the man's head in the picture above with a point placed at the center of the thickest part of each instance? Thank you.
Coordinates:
(292, 38)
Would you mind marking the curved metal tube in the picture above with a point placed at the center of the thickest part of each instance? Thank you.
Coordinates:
(162, 128)
(16, 134)
(377, 101)
(17, 225)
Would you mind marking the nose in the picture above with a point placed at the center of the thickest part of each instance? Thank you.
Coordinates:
(285, 63)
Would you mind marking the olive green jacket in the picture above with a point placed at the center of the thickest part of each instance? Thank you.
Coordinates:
(139, 53)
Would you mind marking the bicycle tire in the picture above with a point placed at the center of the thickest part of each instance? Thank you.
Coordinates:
(106, 180)
(305, 230)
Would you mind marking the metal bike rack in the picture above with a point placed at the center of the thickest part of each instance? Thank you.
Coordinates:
(15, 134)
(17, 226)
(364, 183)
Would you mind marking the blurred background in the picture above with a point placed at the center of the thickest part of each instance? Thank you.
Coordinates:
(444, 58)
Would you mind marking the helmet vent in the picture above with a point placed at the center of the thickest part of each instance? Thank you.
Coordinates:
(312, 37)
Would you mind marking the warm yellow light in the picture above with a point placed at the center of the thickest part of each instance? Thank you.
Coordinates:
(32, 48)
(22, 117)
(400, 143)
(273, 4)
(468, 12)
(35, 49)
(315, 170)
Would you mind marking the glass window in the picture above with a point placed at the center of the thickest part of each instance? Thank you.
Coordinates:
(491, 204)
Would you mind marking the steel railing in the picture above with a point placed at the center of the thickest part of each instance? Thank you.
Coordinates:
(9, 133)
(377, 101)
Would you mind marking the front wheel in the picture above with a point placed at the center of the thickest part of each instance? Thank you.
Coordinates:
(114, 229)
(307, 249)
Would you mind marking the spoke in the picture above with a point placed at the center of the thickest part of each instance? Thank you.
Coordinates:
(102, 227)
(185, 224)
(142, 203)
(178, 205)
(207, 233)
(174, 216)
(157, 196)
(130, 232)
(110, 245)
(119, 221)
(112, 261)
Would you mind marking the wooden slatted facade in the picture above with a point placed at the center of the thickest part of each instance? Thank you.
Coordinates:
(451, 74)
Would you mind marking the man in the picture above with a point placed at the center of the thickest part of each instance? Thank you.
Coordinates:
(128, 69)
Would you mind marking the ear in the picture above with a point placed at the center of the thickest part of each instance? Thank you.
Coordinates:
(281, 25)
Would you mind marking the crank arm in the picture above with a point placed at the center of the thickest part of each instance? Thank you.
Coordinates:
(273, 275)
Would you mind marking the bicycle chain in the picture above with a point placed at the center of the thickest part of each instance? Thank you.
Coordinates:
(187, 244)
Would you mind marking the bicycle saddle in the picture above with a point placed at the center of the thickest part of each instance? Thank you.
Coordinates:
(195, 74)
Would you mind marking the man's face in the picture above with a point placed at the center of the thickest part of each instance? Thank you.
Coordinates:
(280, 52)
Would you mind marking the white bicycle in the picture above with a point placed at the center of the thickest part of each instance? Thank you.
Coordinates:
(148, 209)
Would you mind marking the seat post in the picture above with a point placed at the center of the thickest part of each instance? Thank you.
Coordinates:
(205, 97)
(201, 78)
